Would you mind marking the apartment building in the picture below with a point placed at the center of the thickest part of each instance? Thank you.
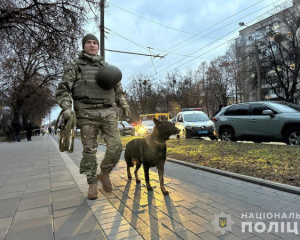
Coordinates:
(256, 43)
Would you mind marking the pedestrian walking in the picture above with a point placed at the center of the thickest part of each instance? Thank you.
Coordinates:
(94, 104)
(50, 130)
(9, 130)
(17, 128)
(28, 128)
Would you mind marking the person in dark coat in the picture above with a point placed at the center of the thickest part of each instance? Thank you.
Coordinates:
(50, 130)
(17, 127)
(28, 128)
(9, 130)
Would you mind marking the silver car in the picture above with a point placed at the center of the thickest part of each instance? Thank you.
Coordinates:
(259, 122)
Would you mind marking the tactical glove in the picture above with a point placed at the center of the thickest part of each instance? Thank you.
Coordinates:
(67, 107)
(67, 114)
(126, 111)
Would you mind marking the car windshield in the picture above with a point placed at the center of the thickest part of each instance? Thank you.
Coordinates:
(126, 124)
(148, 123)
(197, 117)
(286, 107)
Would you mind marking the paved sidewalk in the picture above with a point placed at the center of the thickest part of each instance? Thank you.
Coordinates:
(43, 196)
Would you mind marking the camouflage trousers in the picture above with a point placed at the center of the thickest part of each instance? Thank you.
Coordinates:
(90, 122)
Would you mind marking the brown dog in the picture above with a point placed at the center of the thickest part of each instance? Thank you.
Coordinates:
(150, 151)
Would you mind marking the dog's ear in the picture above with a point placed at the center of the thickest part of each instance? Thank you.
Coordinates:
(156, 122)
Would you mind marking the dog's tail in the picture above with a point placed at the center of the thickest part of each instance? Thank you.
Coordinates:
(127, 157)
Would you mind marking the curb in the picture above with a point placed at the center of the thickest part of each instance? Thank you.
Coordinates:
(258, 181)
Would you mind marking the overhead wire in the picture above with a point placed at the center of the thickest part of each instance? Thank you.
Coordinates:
(122, 37)
(160, 23)
(210, 44)
(208, 34)
(204, 31)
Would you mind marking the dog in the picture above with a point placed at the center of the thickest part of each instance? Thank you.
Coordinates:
(151, 151)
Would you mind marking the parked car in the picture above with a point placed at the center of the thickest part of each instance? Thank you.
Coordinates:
(194, 123)
(145, 128)
(259, 122)
(125, 128)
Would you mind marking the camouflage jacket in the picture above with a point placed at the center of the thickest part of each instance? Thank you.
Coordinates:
(63, 92)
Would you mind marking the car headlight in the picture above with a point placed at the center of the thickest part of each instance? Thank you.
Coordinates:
(142, 130)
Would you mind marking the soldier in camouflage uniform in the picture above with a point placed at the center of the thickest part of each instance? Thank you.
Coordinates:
(95, 110)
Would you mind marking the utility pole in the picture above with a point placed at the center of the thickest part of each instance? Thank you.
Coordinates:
(236, 71)
(259, 97)
(102, 53)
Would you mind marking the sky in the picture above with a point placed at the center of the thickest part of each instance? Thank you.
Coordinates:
(191, 31)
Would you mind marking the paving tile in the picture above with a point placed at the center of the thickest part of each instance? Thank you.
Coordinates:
(62, 183)
(103, 221)
(115, 230)
(33, 213)
(36, 194)
(64, 187)
(31, 223)
(37, 189)
(113, 224)
(197, 219)
(35, 202)
(211, 228)
(61, 178)
(195, 228)
(12, 188)
(66, 203)
(123, 235)
(36, 233)
(230, 236)
(10, 195)
(2, 234)
(219, 206)
(74, 224)
(265, 235)
(147, 233)
(65, 194)
(188, 235)
(58, 169)
(8, 207)
(5, 223)
(94, 235)
(41, 171)
(82, 209)
(207, 236)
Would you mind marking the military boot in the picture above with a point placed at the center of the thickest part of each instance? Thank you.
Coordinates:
(104, 179)
(93, 191)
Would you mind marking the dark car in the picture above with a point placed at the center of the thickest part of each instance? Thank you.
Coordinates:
(126, 129)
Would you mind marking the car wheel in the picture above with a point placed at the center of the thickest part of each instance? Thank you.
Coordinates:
(213, 138)
(227, 135)
(177, 136)
(292, 137)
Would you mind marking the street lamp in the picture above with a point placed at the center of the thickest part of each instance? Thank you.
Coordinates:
(257, 66)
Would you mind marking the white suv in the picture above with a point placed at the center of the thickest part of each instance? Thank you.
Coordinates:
(194, 123)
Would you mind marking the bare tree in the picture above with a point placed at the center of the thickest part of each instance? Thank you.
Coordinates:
(281, 53)
(221, 75)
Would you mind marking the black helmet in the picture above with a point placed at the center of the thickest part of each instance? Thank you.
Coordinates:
(108, 76)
